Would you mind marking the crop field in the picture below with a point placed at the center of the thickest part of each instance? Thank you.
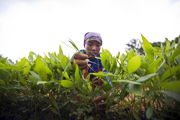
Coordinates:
(50, 88)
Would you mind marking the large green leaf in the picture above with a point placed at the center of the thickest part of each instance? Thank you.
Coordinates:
(35, 75)
(106, 59)
(148, 49)
(48, 70)
(60, 54)
(172, 95)
(173, 86)
(130, 54)
(106, 87)
(134, 88)
(54, 110)
(2, 82)
(149, 113)
(152, 68)
(167, 45)
(170, 72)
(77, 75)
(11, 67)
(103, 74)
(42, 82)
(74, 45)
(53, 101)
(22, 80)
(65, 69)
(113, 65)
(145, 78)
(30, 57)
(122, 59)
(176, 52)
(66, 75)
(64, 61)
(24, 63)
(40, 68)
(67, 83)
(127, 81)
(134, 63)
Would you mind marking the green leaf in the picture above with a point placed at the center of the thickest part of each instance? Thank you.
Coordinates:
(48, 70)
(149, 113)
(173, 86)
(148, 49)
(74, 45)
(2, 82)
(66, 67)
(52, 57)
(113, 64)
(66, 76)
(11, 67)
(64, 61)
(77, 75)
(170, 72)
(24, 63)
(40, 68)
(134, 88)
(67, 83)
(106, 59)
(152, 68)
(173, 95)
(60, 54)
(54, 103)
(134, 63)
(30, 57)
(106, 87)
(54, 110)
(41, 82)
(131, 54)
(167, 45)
(103, 74)
(35, 75)
(22, 80)
(176, 52)
(127, 81)
(145, 78)
(122, 59)
(33, 79)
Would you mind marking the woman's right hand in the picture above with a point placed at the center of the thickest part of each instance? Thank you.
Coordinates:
(81, 60)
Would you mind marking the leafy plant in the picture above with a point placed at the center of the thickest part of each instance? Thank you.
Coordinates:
(143, 86)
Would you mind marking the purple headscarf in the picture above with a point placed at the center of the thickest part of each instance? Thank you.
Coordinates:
(92, 36)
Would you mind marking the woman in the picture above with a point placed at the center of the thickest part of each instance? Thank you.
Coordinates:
(88, 61)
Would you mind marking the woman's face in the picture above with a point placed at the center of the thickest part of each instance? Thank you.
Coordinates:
(92, 48)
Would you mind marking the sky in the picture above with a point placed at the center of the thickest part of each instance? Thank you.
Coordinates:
(42, 25)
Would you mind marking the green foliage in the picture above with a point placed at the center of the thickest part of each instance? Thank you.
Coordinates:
(134, 63)
(50, 87)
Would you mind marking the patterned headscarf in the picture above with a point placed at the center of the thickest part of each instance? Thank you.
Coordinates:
(89, 36)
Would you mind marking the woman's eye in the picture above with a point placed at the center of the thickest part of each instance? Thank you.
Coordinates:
(97, 45)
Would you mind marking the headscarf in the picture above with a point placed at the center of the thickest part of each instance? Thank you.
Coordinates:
(89, 36)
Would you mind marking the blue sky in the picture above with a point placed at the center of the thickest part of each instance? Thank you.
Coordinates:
(41, 25)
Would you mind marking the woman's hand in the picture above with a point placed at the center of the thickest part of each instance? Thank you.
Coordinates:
(81, 60)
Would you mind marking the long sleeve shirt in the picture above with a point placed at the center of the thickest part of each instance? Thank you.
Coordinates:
(96, 66)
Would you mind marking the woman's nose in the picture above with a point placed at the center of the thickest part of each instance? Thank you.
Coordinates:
(93, 47)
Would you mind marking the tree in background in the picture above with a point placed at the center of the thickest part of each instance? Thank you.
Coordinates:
(135, 45)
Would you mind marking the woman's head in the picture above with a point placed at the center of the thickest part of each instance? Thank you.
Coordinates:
(92, 44)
